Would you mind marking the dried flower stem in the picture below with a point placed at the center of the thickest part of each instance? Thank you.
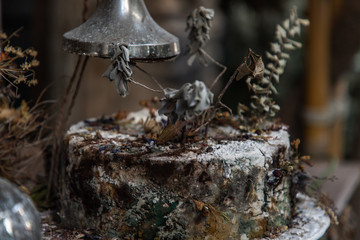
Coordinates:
(232, 78)
(60, 126)
(150, 76)
(216, 63)
(77, 87)
(85, 10)
(144, 86)
(2, 43)
(263, 87)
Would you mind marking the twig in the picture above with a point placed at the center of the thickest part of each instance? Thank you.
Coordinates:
(150, 76)
(11, 36)
(144, 86)
(59, 130)
(85, 10)
(224, 90)
(216, 63)
(76, 90)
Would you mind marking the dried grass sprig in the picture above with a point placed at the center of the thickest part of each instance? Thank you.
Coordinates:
(199, 24)
(262, 80)
(16, 64)
(24, 138)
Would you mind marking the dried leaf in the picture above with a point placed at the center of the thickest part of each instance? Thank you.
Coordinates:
(199, 205)
(253, 105)
(285, 55)
(242, 71)
(191, 60)
(252, 64)
(289, 46)
(304, 22)
(199, 24)
(276, 77)
(120, 71)
(275, 107)
(170, 132)
(152, 126)
(273, 58)
(242, 108)
(296, 144)
(271, 67)
(280, 31)
(295, 43)
(295, 30)
(273, 89)
(286, 24)
(282, 63)
(265, 80)
(275, 47)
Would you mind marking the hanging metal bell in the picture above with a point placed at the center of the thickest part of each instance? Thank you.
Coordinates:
(122, 22)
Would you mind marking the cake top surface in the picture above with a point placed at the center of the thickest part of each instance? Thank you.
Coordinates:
(224, 144)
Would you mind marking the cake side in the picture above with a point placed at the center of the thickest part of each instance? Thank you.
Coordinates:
(227, 186)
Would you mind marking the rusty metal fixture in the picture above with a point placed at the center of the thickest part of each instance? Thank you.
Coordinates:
(122, 22)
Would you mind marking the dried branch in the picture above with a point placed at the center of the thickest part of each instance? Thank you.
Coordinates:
(261, 80)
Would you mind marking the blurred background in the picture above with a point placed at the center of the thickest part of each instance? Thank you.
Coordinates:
(318, 93)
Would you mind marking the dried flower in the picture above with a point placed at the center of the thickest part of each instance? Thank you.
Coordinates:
(35, 63)
(187, 102)
(199, 24)
(32, 82)
(9, 49)
(11, 71)
(120, 70)
(31, 52)
(25, 66)
(20, 53)
(21, 79)
(152, 126)
(3, 35)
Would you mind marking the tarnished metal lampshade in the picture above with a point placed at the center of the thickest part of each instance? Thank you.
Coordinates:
(122, 22)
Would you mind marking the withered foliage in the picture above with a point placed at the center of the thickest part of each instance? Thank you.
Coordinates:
(120, 71)
(261, 80)
(16, 64)
(23, 132)
(199, 24)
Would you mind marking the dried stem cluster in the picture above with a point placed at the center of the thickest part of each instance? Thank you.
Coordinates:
(262, 80)
(24, 134)
(10, 69)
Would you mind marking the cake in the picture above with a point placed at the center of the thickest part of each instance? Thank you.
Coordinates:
(225, 185)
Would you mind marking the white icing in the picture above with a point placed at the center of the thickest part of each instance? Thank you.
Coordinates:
(311, 222)
(140, 116)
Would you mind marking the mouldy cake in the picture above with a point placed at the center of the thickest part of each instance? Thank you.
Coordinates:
(226, 186)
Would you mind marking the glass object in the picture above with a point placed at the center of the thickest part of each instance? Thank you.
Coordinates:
(19, 219)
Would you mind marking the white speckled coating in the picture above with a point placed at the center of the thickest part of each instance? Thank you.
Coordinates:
(310, 223)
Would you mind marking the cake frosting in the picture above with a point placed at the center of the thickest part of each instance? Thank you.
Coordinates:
(228, 185)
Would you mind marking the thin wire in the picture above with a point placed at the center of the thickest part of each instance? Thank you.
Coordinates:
(216, 63)
(144, 86)
(150, 76)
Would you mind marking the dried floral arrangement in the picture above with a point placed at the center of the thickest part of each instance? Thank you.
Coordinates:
(192, 107)
(24, 134)
(262, 80)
